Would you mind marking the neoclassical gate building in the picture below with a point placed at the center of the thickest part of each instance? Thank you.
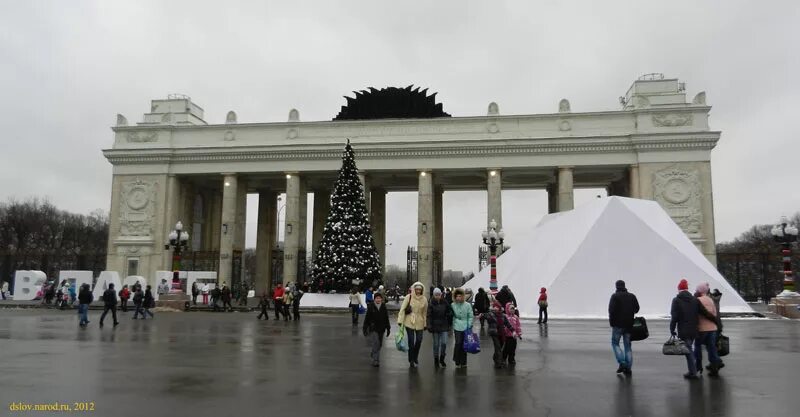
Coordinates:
(174, 166)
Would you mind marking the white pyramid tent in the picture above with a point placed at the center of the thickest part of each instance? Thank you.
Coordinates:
(578, 255)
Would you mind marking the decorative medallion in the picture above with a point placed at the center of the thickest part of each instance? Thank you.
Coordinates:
(678, 192)
(229, 136)
(292, 133)
(493, 128)
(137, 207)
(564, 126)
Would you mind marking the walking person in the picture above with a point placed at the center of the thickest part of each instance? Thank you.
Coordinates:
(511, 335)
(542, 305)
(706, 333)
(85, 298)
(684, 314)
(263, 304)
(109, 304)
(462, 321)
(369, 296)
(622, 306)
(355, 302)
(226, 298)
(376, 323)
(498, 323)
(138, 300)
(205, 293)
(482, 304)
(216, 294)
(148, 302)
(277, 300)
(297, 294)
(195, 293)
(413, 315)
(288, 299)
(440, 319)
(124, 295)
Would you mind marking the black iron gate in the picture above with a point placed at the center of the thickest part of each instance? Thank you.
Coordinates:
(755, 276)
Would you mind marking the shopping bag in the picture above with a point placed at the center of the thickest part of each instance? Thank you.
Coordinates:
(639, 330)
(472, 344)
(723, 345)
(361, 309)
(400, 339)
(675, 346)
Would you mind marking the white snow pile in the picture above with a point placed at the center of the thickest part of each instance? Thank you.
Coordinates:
(579, 254)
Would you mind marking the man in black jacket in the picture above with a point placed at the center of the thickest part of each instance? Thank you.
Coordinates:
(376, 323)
(109, 304)
(85, 298)
(685, 313)
(621, 309)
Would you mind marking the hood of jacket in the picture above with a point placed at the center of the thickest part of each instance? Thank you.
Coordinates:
(510, 309)
(421, 297)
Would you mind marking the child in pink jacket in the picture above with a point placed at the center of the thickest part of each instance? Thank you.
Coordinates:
(511, 335)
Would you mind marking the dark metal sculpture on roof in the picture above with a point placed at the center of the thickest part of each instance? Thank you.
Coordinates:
(391, 103)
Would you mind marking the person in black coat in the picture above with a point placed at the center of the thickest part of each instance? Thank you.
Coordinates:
(685, 313)
(440, 319)
(621, 309)
(148, 302)
(376, 323)
(482, 304)
(138, 300)
(226, 298)
(109, 304)
(85, 298)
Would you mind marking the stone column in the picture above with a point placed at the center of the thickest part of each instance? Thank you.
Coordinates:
(267, 228)
(292, 230)
(438, 232)
(228, 235)
(552, 199)
(322, 206)
(566, 200)
(633, 176)
(215, 223)
(171, 208)
(377, 221)
(366, 188)
(425, 228)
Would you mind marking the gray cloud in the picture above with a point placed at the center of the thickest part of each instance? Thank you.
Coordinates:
(68, 67)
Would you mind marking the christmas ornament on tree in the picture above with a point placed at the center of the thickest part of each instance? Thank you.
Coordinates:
(346, 253)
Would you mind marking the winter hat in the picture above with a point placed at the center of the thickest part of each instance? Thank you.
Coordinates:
(702, 288)
(543, 290)
(620, 284)
(437, 291)
(683, 285)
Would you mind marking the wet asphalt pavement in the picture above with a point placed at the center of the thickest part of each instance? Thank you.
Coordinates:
(207, 364)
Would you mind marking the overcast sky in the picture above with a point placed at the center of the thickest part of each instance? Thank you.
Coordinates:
(67, 68)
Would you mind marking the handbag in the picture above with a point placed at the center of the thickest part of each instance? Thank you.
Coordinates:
(400, 339)
(361, 309)
(408, 308)
(723, 345)
(639, 330)
(472, 344)
(675, 346)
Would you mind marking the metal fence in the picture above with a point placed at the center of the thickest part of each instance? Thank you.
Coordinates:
(755, 276)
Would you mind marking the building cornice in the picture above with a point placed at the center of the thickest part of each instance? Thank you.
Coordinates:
(552, 146)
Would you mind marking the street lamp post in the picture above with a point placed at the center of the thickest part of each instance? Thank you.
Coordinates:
(493, 238)
(178, 241)
(786, 234)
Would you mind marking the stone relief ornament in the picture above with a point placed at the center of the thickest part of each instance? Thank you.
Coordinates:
(700, 98)
(121, 120)
(672, 120)
(230, 118)
(564, 126)
(563, 106)
(678, 192)
(137, 207)
(492, 128)
(294, 115)
(142, 137)
(292, 133)
(230, 135)
(493, 109)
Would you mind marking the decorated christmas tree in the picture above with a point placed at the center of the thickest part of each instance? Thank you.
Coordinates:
(346, 255)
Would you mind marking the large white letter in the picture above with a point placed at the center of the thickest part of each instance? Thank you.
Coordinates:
(76, 278)
(26, 283)
(105, 278)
